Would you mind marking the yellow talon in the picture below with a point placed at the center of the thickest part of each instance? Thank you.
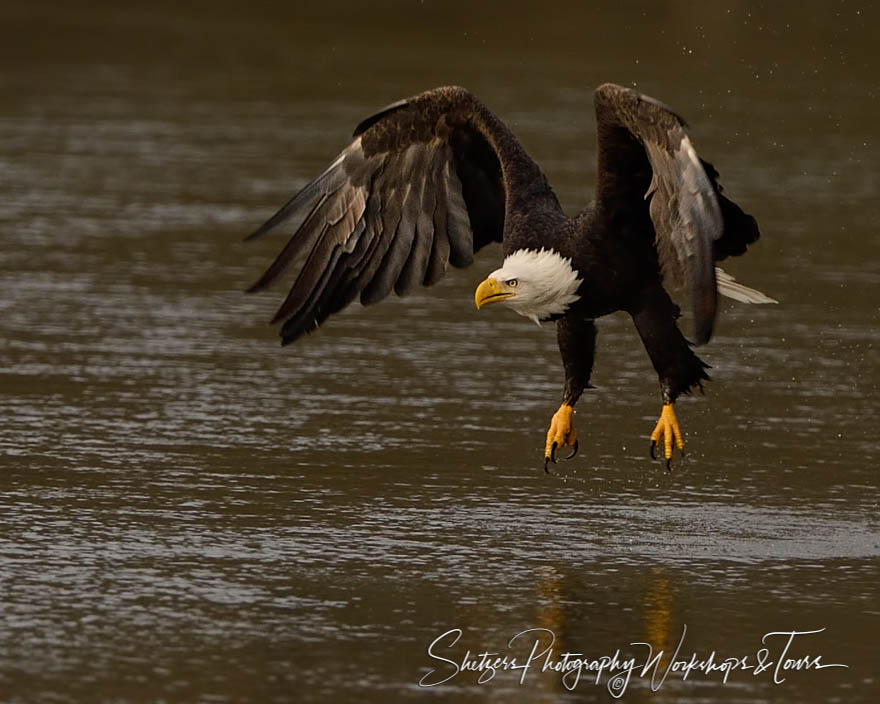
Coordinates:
(561, 433)
(669, 429)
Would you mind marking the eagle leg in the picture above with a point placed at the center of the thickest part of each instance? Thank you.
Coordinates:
(577, 343)
(678, 367)
(669, 430)
(560, 434)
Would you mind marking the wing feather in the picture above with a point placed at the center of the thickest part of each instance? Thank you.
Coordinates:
(461, 237)
(413, 274)
(401, 245)
(295, 249)
(439, 257)
(339, 231)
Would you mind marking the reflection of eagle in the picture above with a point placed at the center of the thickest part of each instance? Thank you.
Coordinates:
(430, 180)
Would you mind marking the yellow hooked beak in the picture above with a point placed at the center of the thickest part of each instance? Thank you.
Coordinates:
(492, 290)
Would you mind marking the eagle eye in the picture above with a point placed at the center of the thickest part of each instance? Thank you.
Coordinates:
(512, 282)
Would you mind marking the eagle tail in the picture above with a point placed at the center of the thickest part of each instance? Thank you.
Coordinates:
(727, 286)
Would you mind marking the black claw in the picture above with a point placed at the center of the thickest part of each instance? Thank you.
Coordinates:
(574, 450)
(553, 453)
(669, 465)
(546, 468)
(653, 445)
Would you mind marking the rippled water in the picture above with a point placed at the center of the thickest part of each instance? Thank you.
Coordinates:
(190, 513)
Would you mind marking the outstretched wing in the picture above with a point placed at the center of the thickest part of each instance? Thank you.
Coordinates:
(426, 182)
(651, 178)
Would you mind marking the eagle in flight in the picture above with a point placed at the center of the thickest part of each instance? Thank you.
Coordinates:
(430, 180)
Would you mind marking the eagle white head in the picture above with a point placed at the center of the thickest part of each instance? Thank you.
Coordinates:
(536, 284)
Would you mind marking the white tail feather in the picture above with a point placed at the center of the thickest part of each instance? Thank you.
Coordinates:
(727, 286)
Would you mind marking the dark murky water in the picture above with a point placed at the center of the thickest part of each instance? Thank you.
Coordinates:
(190, 513)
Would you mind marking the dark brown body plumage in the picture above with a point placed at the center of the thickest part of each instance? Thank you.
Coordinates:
(430, 180)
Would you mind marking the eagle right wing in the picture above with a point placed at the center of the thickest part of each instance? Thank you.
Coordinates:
(425, 183)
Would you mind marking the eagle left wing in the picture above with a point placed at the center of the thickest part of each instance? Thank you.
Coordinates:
(648, 168)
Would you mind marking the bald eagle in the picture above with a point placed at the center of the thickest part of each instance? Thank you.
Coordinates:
(430, 180)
